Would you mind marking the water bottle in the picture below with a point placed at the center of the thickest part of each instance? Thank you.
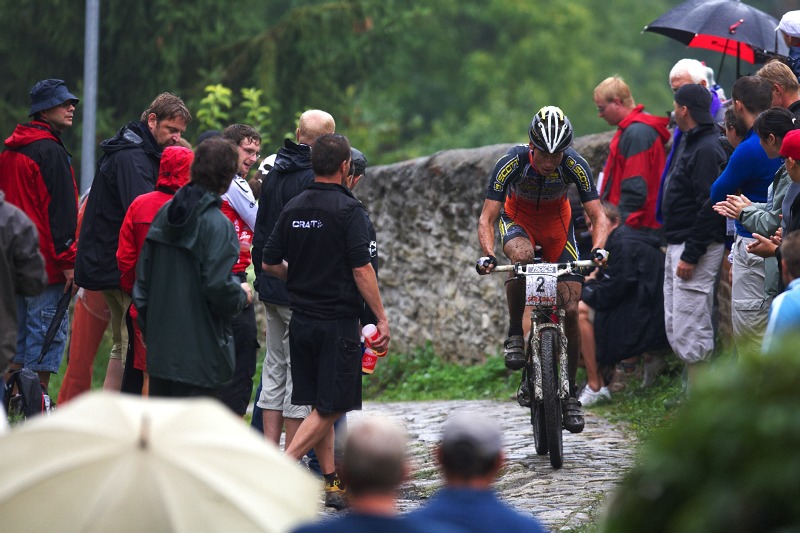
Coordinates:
(371, 334)
(368, 359)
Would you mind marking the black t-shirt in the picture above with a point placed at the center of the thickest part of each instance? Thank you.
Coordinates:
(323, 235)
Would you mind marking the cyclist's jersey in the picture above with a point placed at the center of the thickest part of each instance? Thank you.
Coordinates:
(515, 179)
(537, 203)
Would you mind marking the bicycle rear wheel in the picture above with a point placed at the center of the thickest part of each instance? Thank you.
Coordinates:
(552, 403)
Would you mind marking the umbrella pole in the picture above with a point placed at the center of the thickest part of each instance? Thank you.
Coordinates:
(738, 60)
(719, 70)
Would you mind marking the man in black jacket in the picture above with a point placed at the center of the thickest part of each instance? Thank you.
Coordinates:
(694, 232)
(320, 246)
(127, 168)
(290, 175)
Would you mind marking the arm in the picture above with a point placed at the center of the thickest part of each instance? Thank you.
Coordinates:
(134, 176)
(221, 289)
(280, 271)
(708, 226)
(367, 284)
(489, 215)
(62, 212)
(600, 224)
(241, 199)
(127, 253)
(758, 218)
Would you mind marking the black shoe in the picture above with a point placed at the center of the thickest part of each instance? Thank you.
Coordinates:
(514, 351)
(573, 417)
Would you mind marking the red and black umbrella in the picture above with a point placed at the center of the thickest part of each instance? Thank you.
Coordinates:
(727, 26)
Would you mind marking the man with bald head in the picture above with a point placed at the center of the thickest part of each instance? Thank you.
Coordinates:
(289, 176)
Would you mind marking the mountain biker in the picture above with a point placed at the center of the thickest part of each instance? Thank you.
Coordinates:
(527, 192)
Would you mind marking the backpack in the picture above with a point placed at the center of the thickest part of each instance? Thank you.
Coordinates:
(30, 397)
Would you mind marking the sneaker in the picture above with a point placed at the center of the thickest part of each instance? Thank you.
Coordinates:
(652, 369)
(589, 397)
(335, 495)
(514, 351)
(573, 417)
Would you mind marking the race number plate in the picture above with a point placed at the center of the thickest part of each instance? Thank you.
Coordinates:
(541, 285)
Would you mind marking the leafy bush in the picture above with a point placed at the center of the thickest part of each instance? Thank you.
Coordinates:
(729, 460)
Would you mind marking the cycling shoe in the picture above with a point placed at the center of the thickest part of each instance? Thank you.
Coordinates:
(573, 417)
(524, 392)
(514, 352)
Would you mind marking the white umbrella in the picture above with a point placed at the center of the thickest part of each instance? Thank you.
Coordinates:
(110, 462)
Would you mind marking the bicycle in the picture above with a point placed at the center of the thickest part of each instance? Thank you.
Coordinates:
(545, 372)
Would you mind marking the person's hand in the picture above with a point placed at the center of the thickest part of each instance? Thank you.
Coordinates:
(248, 291)
(593, 275)
(486, 264)
(684, 270)
(732, 206)
(70, 276)
(381, 344)
(600, 256)
(762, 246)
(778, 237)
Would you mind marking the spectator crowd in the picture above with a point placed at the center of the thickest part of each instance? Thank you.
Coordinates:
(699, 224)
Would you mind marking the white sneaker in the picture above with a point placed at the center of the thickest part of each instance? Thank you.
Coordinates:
(589, 397)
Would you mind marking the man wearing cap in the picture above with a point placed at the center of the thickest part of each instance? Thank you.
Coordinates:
(128, 168)
(789, 27)
(37, 177)
(470, 455)
(749, 172)
(694, 232)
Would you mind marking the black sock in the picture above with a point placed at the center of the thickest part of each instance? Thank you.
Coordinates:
(515, 329)
(330, 478)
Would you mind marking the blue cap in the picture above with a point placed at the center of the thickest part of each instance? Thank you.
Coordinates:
(49, 93)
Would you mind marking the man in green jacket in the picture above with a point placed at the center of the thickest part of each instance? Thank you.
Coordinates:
(185, 292)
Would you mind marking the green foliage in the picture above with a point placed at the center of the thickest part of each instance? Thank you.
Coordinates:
(213, 113)
(257, 114)
(423, 375)
(729, 460)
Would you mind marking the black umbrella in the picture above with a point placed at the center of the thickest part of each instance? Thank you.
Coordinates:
(727, 26)
(52, 330)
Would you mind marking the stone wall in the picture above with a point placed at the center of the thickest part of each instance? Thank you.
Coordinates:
(426, 214)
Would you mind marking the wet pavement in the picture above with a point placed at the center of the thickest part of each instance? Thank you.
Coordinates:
(594, 460)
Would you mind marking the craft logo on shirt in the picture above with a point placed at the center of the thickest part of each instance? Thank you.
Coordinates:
(307, 224)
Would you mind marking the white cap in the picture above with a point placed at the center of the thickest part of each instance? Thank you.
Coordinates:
(790, 24)
(267, 163)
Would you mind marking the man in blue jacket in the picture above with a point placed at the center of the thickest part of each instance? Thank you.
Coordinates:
(749, 172)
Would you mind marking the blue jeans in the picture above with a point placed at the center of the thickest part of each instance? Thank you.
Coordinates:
(35, 315)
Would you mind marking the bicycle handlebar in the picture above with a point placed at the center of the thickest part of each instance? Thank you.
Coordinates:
(519, 269)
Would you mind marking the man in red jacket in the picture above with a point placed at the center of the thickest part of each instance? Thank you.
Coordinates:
(37, 177)
(173, 174)
(632, 174)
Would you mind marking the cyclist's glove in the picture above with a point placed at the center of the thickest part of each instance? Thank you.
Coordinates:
(484, 262)
(600, 254)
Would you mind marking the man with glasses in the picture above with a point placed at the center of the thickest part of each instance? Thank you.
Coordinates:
(37, 177)
(239, 205)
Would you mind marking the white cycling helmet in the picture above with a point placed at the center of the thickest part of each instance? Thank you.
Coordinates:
(550, 130)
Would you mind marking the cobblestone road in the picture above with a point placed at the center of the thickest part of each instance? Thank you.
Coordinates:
(594, 460)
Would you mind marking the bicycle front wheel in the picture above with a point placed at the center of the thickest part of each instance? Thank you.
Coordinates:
(552, 403)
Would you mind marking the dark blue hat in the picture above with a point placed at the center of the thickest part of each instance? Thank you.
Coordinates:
(49, 93)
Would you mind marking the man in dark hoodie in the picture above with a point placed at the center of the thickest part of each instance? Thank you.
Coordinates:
(37, 177)
(185, 292)
(289, 177)
(694, 232)
(127, 168)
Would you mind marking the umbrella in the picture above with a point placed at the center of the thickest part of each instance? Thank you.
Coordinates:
(111, 462)
(727, 26)
(55, 324)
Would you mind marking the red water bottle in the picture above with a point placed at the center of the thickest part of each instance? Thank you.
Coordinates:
(371, 334)
(368, 360)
